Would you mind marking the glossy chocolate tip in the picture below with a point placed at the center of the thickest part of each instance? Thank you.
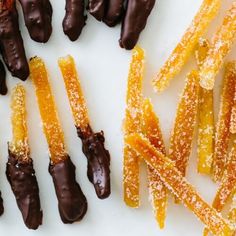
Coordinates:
(1, 205)
(97, 8)
(11, 44)
(72, 203)
(21, 176)
(98, 161)
(3, 86)
(38, 18)
(74, 20)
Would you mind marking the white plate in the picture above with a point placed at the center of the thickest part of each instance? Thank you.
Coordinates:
(103, 68)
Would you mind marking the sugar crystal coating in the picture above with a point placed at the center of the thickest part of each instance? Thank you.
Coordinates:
(183, 50)
(157, 190)
(47, 108)
(131, 125)
(222, 134)
(74, 91)
(205, 117)
(174, 180)
(221, 44)
(185, 121)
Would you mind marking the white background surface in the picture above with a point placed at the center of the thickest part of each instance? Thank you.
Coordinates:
(103, 68)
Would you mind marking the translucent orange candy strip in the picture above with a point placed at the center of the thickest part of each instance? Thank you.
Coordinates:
(185, 121)
(222, 134)
(233, 112)
(220, 46)
(74, 91)
(174, 180)
(228, 184)
(131, 125)
(47, 107)
(183, 50)
(205, 117)
(157, 190)
(19, 145)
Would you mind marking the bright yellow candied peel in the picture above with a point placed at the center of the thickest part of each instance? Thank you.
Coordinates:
(74, 92)
(174, 180)
(220, 46)
(222, 135)
(19, 145)
(132, 124)
(205, 117)
(157, 190)
(185, 47)
(48, 112)
(185, 121)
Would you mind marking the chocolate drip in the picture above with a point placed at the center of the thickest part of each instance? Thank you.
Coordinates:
(38, 18)
(11, 43)
(98, 161)
(1, 205)
(72, 203)
(97, 8)
(3, 86)
(21, 176)
(114, 12)
(135, 21)
(74, 20)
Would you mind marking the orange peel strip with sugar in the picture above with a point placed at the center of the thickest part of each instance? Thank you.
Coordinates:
(183, 50)
(74, 91)
(222, 134)
(220, 46)
(233, 112)
(232, 212)
(205, 118)
(183, 131)
(178, 184)
(48, 112)
(157, 190)
(227, 186)
(19, 145)
(132, 124)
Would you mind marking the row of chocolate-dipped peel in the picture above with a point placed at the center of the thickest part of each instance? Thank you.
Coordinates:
(72, 203)
(38, 16)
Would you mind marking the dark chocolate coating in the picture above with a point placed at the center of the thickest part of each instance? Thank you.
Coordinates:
(3, 86)
(98, 161)
(72, 203)
(38, 19)
(11, 44)
(114, 12)
(1, 205)
(135, 21)
(21, 176)
(74, 19)
(97, 8)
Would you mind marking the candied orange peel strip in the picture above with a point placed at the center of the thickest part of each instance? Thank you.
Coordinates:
(220, 46)
(132, 124)
(232, 212)
(205, 117)
(157, 190)
(74, 91)
(47, 107)
(174, 180)
(228, 184)
(19, 145)
(222, 134)
(233, 112)
(183, 50)
(183, 131)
